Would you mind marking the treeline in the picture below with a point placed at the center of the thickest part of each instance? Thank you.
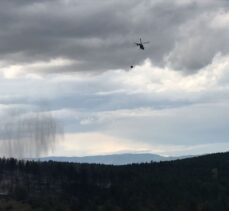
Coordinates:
(200, 183)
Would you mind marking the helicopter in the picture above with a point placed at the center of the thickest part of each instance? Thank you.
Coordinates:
(141, 44)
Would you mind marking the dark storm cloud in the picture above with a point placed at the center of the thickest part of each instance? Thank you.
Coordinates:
(99, 35)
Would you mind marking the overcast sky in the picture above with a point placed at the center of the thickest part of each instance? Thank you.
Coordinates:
(70, 60)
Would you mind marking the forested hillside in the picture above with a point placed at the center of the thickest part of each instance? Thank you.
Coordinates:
(200, 183)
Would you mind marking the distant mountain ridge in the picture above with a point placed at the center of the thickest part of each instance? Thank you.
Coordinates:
(114, 159)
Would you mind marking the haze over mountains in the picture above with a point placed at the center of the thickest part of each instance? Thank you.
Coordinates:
(115, 159)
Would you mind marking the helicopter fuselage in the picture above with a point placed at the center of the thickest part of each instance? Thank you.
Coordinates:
(141, 46)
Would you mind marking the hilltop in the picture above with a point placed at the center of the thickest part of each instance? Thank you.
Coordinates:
(198, 183)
